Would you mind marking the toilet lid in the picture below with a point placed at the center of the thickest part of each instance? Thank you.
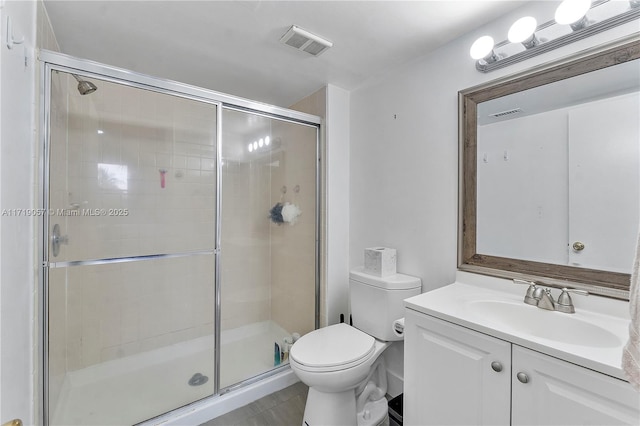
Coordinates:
(338, 345)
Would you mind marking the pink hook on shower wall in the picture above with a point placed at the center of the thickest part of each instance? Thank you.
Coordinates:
(163, 172)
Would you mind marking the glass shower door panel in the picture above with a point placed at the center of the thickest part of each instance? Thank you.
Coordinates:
(132, 171)
(268, 255)
(131, 281)
(130, 341)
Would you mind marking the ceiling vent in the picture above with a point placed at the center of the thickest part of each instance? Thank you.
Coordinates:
(305, 41)
(505, 113)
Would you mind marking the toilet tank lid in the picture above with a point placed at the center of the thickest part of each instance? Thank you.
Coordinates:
(391, 282)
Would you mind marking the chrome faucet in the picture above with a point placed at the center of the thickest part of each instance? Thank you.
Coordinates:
(543, 299)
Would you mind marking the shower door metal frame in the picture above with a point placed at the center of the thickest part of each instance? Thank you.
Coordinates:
(53, 61)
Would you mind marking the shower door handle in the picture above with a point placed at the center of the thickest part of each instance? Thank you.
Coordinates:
(57, 240)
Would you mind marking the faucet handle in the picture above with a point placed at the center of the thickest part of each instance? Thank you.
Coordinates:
(528, 298)
(575, 291)
(564, 303)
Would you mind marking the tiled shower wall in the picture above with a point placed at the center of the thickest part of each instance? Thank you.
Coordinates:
(120, 142)
(246, 248)
(268, 269)
(316, 104)
(293, 245)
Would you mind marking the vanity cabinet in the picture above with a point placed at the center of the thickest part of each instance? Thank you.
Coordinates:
(560, 393)
(455, 375)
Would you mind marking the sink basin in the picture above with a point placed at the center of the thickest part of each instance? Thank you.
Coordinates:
(550, 325)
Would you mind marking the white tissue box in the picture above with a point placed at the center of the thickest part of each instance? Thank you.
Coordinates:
(380, 261)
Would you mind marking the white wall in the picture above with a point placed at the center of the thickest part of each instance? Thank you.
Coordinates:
(17, 191)
(404, 150)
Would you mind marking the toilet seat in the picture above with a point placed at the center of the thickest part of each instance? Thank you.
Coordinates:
(333, 348)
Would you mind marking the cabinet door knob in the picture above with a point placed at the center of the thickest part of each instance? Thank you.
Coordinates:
(522, 377)
(497, 367)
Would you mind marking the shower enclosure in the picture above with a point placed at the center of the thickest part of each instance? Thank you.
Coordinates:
(179, 241)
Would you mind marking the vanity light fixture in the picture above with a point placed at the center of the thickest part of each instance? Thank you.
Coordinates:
(524, 31)
(573, 21)
(482, 48)
(573, 13)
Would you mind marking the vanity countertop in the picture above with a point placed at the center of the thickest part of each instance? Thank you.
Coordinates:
(593, 337)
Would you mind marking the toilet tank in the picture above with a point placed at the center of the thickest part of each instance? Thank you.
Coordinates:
(376, 302)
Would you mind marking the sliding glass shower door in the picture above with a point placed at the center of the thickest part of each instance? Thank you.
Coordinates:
(131, 251)
(268, 241)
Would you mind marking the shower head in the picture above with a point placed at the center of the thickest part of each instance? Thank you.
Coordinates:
(85, 87)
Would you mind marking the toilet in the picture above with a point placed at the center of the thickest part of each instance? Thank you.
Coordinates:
(341, 364)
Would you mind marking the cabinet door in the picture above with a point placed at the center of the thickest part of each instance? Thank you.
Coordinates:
(560, 393)
(449, 378)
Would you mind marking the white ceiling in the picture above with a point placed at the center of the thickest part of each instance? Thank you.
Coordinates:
(233, 46)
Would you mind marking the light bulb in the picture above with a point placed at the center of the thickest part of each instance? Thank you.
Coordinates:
(267, 141)
(482, 48)
(250, 147)
(261, 142)
(255, 145)
(572, 12)
(523, 30)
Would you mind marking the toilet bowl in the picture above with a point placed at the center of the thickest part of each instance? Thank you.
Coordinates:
(334, 358)
(341, 363)
(334, 361)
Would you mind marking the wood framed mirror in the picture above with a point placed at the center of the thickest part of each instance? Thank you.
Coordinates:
(521, 214)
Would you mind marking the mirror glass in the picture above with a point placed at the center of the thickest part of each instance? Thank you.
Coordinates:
(551, 172)
(558, 171)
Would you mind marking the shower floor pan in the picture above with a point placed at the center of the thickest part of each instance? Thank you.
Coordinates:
(135, 388)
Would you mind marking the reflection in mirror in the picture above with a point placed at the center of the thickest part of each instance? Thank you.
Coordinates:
(558, 165)
(550, 184)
